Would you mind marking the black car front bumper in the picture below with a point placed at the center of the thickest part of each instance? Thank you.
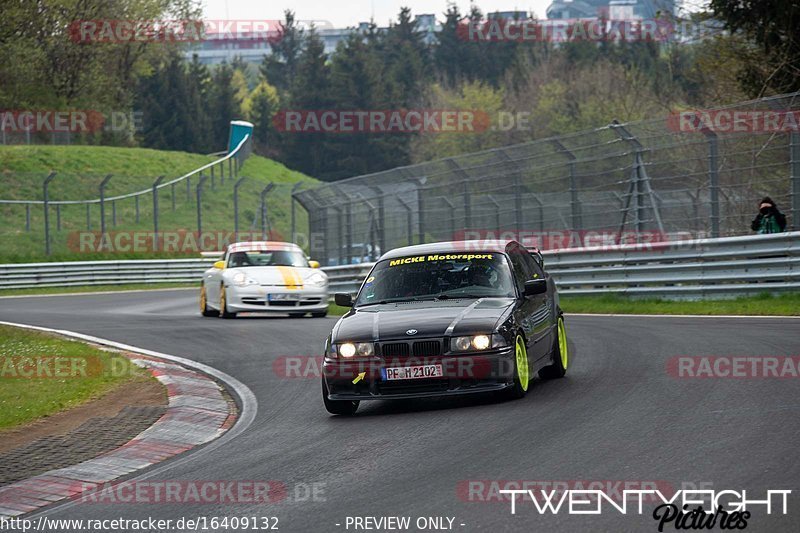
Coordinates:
(463, 374)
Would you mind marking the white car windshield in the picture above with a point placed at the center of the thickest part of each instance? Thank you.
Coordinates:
(438, 276)
(267, 258)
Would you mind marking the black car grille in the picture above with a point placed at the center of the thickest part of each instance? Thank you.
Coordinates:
(421, 348)
(426, 348)
(395, 349)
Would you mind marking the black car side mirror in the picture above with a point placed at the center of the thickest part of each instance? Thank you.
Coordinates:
(343, 299)
(535, 286)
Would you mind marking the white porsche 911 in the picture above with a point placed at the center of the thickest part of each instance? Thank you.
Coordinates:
(264, 277)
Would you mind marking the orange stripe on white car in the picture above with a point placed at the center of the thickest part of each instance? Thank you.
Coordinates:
(291, 278)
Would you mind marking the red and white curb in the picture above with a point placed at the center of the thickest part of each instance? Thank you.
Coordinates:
(197, 413)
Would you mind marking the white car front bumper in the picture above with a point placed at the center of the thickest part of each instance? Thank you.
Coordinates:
(276, 299)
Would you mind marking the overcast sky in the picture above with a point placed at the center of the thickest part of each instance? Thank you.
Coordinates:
(345, 13)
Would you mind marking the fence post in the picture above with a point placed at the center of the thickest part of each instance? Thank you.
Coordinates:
(575, 204)
(293, 202)
(639, 184)
(518, 203)
(409, 220)
(27, 217)
(236, 207)
(155, 212)
(794, 157)
(452, 218)
(136, 202)
(45, 185)
(496, 212)
(420, 211)
(88, 217)
(113, 213)
(200, 183)
(212, 177)
(188, 189)
(713, 178)
(340, 236)
(58, 217)
(103, 204)
(173, 197)
(264, 218)
(222, 173)
(381, 217)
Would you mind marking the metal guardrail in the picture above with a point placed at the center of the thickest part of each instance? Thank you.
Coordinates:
(684, 269)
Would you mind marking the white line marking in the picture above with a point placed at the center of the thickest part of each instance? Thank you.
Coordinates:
(90, 293)
(683, 316)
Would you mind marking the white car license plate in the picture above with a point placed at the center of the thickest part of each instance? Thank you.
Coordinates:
(411, 372)
(283, 297)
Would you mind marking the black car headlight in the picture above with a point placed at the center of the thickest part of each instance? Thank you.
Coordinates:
(347, 350)
(476, 343)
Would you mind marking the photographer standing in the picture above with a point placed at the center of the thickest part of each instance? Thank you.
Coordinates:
(769, 219)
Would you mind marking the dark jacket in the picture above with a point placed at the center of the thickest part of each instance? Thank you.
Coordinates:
(772, 222)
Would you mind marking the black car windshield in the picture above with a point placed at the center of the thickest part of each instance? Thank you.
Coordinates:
(438, 276)
(267, 258)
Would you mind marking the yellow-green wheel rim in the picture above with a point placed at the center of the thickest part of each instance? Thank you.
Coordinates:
(522, 363)
(203, 298)
(222, 299)
(562, 343)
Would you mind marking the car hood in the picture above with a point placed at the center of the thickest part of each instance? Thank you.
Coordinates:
(431, 319)
(274, 275)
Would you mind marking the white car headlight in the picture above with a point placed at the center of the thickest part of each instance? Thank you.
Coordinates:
(362, 349)
(240, 279)
(317, 279)
(476, 342)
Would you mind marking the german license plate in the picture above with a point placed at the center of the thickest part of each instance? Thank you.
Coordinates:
(283, 297)
(411, 372)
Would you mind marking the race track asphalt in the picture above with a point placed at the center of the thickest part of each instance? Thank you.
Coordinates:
(617, 416)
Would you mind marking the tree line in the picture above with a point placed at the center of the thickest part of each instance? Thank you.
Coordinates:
(555, 87)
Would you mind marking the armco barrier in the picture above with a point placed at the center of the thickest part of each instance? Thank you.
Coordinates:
(686, 269)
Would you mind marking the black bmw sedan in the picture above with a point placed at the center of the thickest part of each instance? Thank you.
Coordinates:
(444, 319)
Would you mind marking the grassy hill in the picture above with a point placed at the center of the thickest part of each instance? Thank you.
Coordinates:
(80, 169)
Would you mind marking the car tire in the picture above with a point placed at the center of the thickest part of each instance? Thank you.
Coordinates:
(204, 309)
(521, 370)
(223, 304)
(338, 407)
(560, 353)
(320, 314)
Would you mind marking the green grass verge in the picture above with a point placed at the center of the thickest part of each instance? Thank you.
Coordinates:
(78, 373)
(80, 169)
(762, 304)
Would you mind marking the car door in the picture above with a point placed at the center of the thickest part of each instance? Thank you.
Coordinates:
(533, 311)
(545, 301)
